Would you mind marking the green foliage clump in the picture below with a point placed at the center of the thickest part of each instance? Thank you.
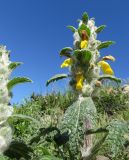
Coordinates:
(45, 112)
(111, 100)
(49, 109)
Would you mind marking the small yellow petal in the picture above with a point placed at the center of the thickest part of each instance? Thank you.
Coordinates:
(109, 71)
(66, 63)
(84, 44)
(79, 81)
(106, 68)
(79, 86)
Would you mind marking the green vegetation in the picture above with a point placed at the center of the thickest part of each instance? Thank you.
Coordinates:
(38, 140)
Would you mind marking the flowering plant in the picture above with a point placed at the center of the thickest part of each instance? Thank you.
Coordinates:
(6, 85)
(85, 75)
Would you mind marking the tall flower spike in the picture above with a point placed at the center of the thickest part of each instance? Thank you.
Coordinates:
(106, 68)
(85, 55)
(6, 110)
(66, 63)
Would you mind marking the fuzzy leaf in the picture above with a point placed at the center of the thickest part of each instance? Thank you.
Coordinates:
(66, 52)
(56, 78)
(115, 140)
(96, 147)
(83, 55)
(105, 44)
(110, 77)
(100, 28)
(85, 17)
(74, 120)
(84, 27)
(42, 133)
(86, 56)
(94, 131)
(73, 29)
(17, 80)
(14, 65)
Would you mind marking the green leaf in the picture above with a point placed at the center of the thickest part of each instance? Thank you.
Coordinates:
(78, 20)
(84, 27)
(83, 56)
(85, 17)
(96, 147)
(66, 52)
(56, 78)
(100, 28)
(105, 44)
(116, 139)
(94, 131)
(109, 77)
(86, 56)
(42, 133)
(73, 29)
(14, 65)
(17, 80)
(48, 157)
(21, 116)
(75, 119)
(2, 157)
(78, 54)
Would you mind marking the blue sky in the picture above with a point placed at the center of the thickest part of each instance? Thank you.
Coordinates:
(35, 31)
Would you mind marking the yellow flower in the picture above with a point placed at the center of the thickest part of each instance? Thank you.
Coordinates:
(67, 63)
(109, 71)
(84, 44)
(79, 81)
(106, 68)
